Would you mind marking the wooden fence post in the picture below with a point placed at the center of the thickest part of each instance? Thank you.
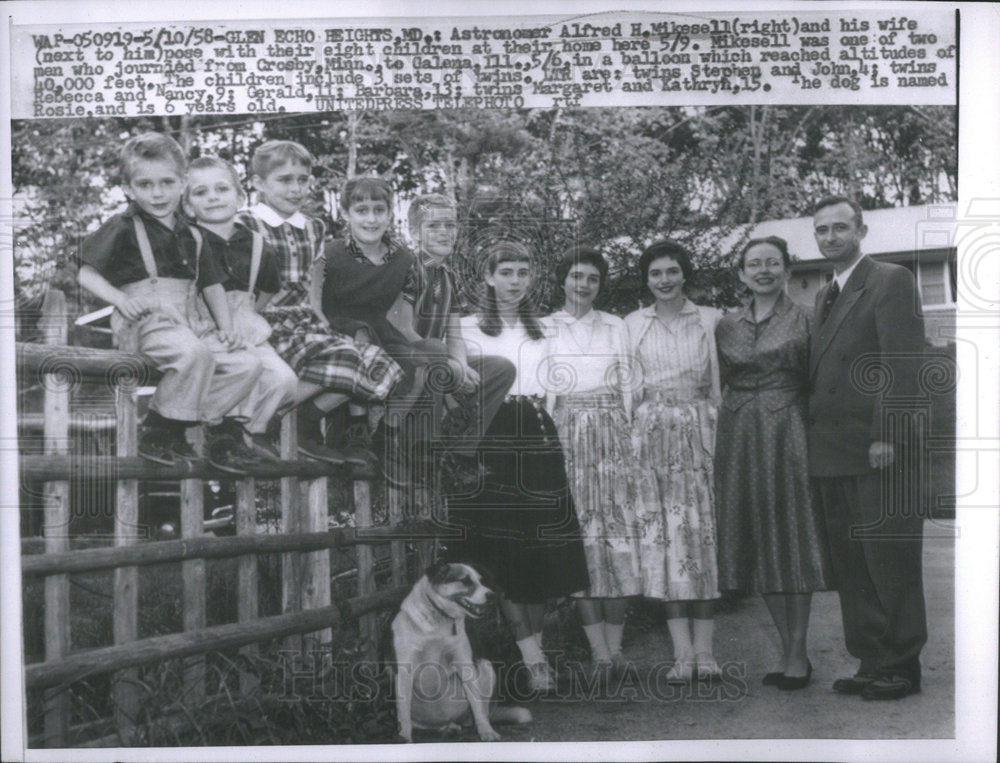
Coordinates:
(395, 498)
(423, 493)
(193, 577)
(247, 589)
(316, 565)
(367, 625)
(412, 500)
(291, 564)
(125, 689)
(57, 517)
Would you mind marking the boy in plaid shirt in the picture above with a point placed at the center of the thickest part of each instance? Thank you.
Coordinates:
(477, 385)
(331, 367)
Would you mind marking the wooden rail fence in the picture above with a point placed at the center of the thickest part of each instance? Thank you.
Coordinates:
(305, 542)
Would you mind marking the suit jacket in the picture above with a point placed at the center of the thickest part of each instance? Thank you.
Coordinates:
(865, 356)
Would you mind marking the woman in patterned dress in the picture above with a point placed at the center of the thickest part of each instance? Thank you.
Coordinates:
(770, 537)
(587, 379)
(675, 373)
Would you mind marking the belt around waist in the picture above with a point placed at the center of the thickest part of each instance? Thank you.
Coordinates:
(673, 396)
(603, 399)
(178, 287)
(762, 390)
(535, 400)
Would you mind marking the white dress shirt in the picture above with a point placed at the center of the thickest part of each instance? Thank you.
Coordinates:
(527, 354)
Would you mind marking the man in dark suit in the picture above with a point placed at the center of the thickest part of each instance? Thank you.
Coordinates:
(867, 341)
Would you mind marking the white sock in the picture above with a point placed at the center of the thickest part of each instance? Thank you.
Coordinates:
(598, 646)
(531, 650)
(703, 630)
(680, 634)
(613, 636)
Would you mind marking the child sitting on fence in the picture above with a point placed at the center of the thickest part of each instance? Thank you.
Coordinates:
(331, 368)
(477, 384)
(365, 277)
(144, 261)
(245, 278)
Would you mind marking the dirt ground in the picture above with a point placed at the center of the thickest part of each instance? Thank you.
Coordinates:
(746, 645)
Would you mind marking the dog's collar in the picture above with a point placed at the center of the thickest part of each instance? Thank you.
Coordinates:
(454, 630)
(420, 615)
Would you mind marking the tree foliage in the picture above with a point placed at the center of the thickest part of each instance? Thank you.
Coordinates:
(614, 178)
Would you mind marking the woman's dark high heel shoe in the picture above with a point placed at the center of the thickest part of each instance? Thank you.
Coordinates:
(773, 679)
(791, 683)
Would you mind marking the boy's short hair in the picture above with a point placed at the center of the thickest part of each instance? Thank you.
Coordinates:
(151, 146)
(422, 204)
(210, 162)
(274, 153)
(364, 188)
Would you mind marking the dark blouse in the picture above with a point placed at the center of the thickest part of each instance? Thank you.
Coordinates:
(769, 359)
(358, 294)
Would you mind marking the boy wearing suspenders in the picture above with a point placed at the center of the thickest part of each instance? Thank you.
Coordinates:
(245, 277)
(144, 261)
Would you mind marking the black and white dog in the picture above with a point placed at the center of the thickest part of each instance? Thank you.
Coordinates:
(439, 686)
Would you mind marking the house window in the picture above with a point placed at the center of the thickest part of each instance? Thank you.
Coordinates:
(933, 287)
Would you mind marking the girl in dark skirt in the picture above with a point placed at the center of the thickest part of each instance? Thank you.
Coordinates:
(520, 523)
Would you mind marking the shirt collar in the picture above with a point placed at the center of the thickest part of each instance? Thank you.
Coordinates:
(841, 278)
(240, 232)
(782, 306)
(563, 316)
(429, 264)
(134, 210)
(689, 307)
(272, 218)
(355, 251)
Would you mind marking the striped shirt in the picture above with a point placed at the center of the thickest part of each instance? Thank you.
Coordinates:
(675, 357)
(433, 299)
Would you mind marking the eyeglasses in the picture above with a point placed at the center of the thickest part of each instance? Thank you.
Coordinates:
(757, 264)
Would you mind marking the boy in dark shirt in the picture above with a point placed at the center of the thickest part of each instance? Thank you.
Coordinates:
(143, 261)
(244, 278)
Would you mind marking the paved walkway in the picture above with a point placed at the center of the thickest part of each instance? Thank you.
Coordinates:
(741, 708)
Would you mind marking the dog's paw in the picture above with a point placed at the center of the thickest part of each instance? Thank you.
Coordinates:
(489, 735)
(404, 739)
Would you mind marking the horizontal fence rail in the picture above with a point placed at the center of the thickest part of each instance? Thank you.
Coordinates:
(304, 543)
(54, 468)
(94, 662)
(85, 363)
(162, 552)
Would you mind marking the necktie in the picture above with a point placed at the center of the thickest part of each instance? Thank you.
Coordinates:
(831, 297)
